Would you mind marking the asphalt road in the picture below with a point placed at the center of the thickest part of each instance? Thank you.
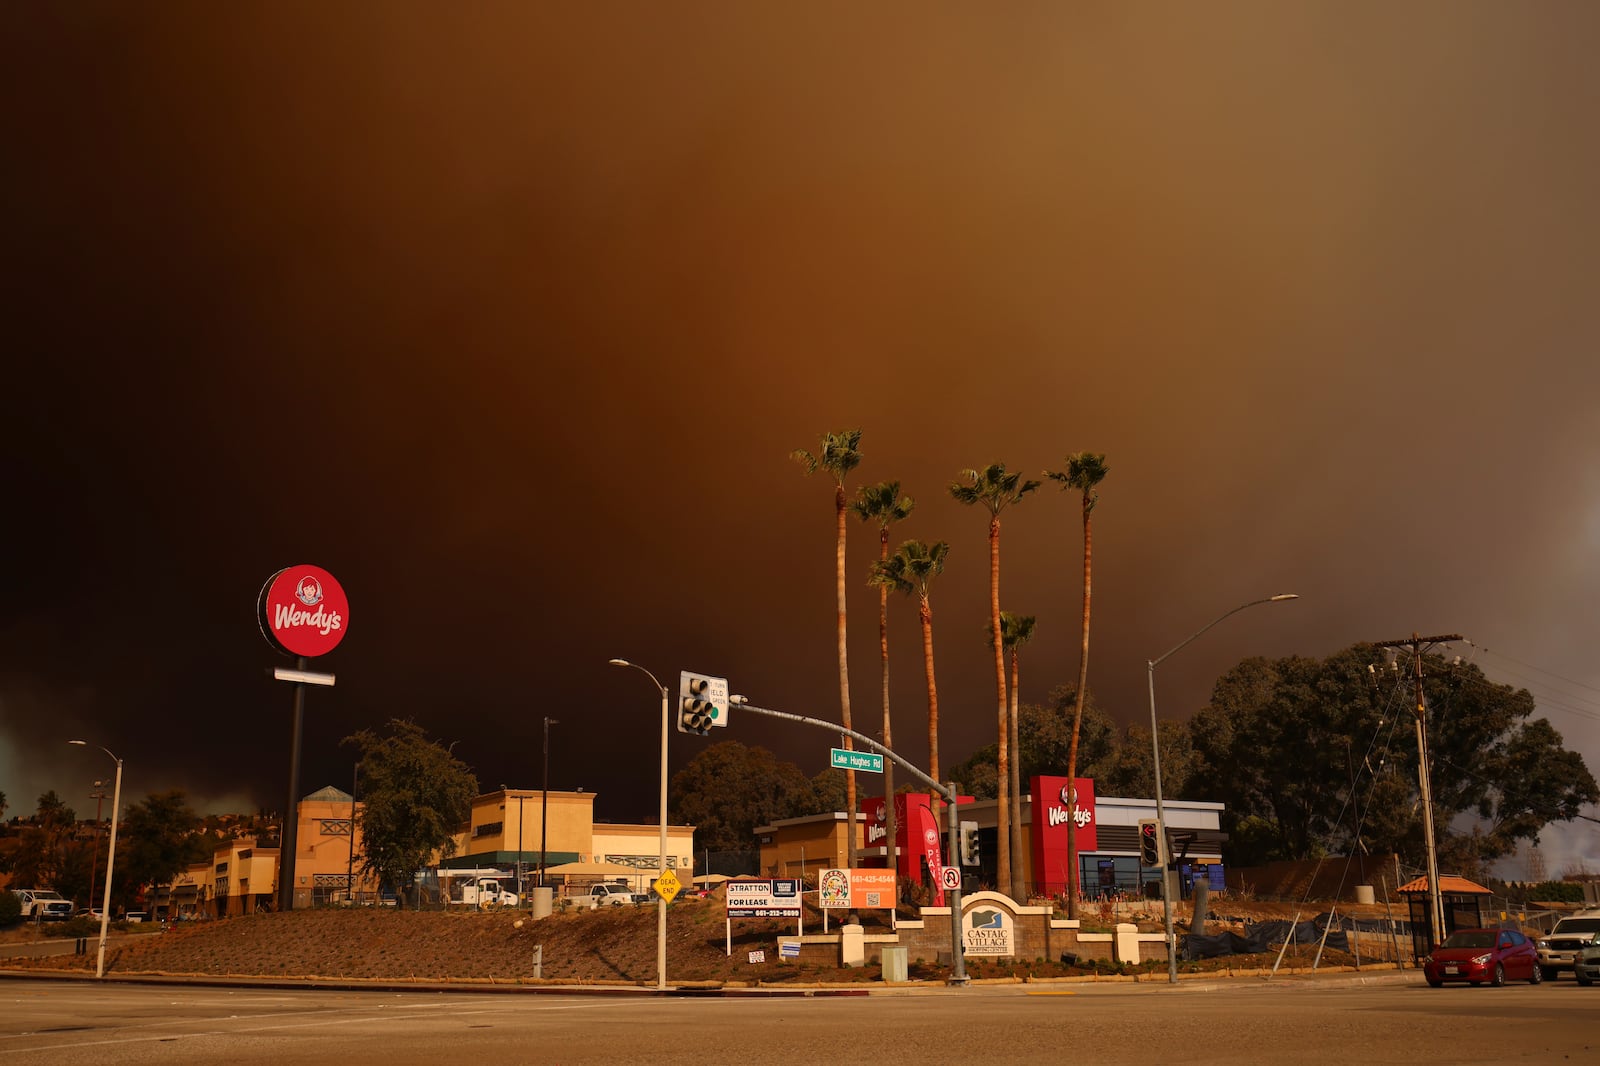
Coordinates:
(1398, 1020)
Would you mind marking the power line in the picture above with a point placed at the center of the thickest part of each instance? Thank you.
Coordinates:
(1539, 669)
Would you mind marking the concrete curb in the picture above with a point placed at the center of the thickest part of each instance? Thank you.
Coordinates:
(1209, 982)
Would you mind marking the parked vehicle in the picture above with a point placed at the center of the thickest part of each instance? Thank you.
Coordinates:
(1479, 955)
(43, 905)
(1586, 965)
(482, 892)
(1558, 949)
(614, 895)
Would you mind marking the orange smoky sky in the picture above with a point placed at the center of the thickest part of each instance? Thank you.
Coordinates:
(509, 316)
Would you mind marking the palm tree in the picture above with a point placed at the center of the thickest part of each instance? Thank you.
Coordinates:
(1015, 631)
(1084, 471)
(996, 489)
(839, 455)
(911, 570)
(883, 504)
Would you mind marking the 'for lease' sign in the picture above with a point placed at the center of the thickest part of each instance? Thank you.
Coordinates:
(763, 899)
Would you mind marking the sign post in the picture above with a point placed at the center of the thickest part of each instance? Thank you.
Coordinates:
(303, 612)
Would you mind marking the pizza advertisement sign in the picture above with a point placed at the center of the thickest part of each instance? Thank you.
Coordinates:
(864, 889)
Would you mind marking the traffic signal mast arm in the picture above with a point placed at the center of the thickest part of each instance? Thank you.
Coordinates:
(958, 969)
(948, 792)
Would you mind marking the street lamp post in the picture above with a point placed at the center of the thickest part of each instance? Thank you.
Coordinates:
(350, 862)
(111, 855)
(661, 901)
(1155, 747)
(544, 798)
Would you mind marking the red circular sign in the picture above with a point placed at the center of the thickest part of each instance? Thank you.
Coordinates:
(303, 611)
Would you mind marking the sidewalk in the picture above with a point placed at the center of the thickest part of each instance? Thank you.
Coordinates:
(1207, 982)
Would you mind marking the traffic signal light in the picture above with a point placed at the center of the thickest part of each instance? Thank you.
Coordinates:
(702, 703)
(1149, 842)
(969, 844)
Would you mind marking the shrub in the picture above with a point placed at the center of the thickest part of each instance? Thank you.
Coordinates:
(80, 925)
(10, 908)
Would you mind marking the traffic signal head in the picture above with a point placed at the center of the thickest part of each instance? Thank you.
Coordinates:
(969, 844)
(1149, 842)
(702, 703)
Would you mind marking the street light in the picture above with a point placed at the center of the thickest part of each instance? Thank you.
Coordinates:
(111, 854)
(1155, 747)
(661, 901)
(544, 800)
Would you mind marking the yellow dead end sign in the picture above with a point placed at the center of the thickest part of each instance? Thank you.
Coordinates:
(667, 885)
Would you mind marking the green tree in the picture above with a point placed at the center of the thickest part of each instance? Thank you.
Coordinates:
(1128, 769)
(10, 908)
(1084, 471)
(912, 570)
(2, 804)
(728, 789)
(827, 787)
(1043, 742)
(883, 504)
(1310, 754)
(995, 489)
(53, 812)
(840, 453)
(41, 857)
(415, 794)
(157, 839)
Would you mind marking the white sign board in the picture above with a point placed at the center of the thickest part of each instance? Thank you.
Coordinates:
(763, 899)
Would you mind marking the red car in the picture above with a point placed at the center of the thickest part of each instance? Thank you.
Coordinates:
(1479, 955)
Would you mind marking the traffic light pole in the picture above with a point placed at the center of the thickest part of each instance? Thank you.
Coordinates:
(958, 964)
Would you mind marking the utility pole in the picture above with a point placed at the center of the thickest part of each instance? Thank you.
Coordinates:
(1417, 645)
(544, 797)
(97, 795)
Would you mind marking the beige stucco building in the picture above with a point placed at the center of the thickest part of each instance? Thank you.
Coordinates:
(506, 827)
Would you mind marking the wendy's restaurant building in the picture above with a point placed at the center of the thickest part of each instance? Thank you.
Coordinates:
(1107, 841)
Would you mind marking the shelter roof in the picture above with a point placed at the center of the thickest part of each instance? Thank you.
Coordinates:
(1449, 884)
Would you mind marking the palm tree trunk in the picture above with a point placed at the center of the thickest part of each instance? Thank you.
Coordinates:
(840, 508)
(1019, 890)
(1003, 767)
(925, 616)
(1077, 722)
(888, 736)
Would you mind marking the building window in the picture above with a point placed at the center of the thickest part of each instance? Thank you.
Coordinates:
(222, 868)
(488, 829)
(335, 827)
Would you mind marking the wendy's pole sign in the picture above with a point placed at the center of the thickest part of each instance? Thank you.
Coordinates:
(303, 612)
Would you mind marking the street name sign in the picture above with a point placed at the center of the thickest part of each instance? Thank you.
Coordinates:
(866, 761)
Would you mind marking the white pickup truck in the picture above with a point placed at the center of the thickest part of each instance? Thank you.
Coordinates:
(614, 895)
(43, 905)
(482, 892)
